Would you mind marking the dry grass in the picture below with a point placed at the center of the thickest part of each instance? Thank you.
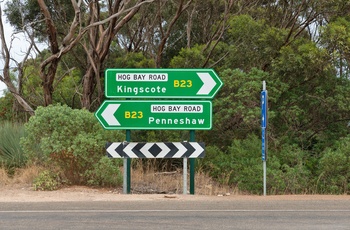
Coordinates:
(172, 182)
(149, 182)
(24, 176)
(4, 179)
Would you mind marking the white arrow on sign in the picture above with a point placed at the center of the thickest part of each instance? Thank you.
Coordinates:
(208, 83)
(181, 148)
(112, 150)
(155, 150)
(108, 114)
(128, 150)
(198, 151)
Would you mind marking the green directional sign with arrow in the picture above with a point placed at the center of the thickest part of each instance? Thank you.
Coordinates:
(132, 114)
(162, 83)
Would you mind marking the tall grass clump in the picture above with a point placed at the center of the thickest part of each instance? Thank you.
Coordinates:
(11, 153)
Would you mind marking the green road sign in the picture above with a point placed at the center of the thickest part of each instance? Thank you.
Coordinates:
(130, 114)
(161, 83)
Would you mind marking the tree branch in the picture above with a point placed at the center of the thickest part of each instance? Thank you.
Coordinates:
(5, 52)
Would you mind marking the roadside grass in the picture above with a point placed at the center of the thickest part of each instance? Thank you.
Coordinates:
(11, 154)
(172, 182)
(21, 177)
(149, 182)
(4, 178)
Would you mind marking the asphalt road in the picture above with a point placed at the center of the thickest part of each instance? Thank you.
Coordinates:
(178, 214)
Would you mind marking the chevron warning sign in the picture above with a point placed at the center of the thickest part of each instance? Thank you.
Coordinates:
(155, 149)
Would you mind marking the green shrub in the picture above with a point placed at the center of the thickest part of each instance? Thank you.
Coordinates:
(246, 161)
(241, 166)
(6, 108)
(71, 139)
(46, 181)
(217, 164)
(287, 171)
(106, 173)
(11, 154)
(334, 169)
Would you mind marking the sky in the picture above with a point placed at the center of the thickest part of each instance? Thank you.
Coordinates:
(2, 87)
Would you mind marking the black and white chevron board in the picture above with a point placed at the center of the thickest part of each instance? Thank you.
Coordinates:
(155, 149)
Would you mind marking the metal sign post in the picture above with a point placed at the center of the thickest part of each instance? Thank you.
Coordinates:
(184, 187)
(263, 131)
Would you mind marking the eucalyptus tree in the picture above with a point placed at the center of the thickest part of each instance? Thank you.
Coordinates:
(65, 25)
(14, 88)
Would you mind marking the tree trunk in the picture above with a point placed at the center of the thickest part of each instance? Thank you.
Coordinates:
(51, 63)
(99, 43)
(166, 35)
(89, 84)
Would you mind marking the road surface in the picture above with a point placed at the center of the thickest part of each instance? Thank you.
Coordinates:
(180, 212)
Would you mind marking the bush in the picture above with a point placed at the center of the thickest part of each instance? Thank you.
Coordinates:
(11, 154)
(217, 164)
(46, 181)
(287, 171)
(334, 170)
(6, 108)
(241, 166)
(70, 139)
(246, 160)
(106, 173)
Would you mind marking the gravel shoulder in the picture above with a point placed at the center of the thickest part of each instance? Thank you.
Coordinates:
(81, 193)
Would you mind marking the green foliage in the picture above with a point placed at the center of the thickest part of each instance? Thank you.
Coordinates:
(31, 86)
(189, 58)
(22, 13)
(287, 172)
(134, 60)
(11, 154)
(335, 36)
(67, 84)
(106, 172)
(252, 43)
(237, 107)
(309, 108)
(67, 87)
(6, 112)
(334, 169)
(46, 181)
(241, 166)
(216, 163)
(307, 77)
(68, 138)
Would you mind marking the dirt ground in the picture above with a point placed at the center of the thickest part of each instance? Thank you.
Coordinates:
(22, 193)
(149, 186)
